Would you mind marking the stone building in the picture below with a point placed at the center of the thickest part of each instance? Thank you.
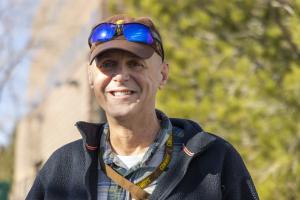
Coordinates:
(58, 88)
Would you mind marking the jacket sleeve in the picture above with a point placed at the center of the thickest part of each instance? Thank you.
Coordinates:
(236, 180)
(37, 190)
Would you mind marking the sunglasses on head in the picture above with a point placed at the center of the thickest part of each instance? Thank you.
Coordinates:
(133, 32)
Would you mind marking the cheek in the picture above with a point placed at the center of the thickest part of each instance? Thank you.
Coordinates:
(155, 80)
(150, 83)
(100, 83)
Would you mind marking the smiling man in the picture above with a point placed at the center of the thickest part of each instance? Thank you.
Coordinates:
(139, 153)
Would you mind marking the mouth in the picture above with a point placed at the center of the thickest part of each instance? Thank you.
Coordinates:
(120, 93)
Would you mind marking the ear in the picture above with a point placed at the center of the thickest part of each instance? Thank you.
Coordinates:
(90, 76)
(165, 74)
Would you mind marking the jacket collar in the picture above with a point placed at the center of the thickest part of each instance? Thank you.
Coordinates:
(200, 141)
(91, 133)
(196, 141)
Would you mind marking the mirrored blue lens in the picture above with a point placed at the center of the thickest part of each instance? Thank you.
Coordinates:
(103, 32)
(137, 33)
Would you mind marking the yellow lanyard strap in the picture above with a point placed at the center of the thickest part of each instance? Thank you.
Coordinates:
(162, 166)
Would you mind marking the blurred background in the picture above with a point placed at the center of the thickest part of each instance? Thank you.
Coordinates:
(235, 69)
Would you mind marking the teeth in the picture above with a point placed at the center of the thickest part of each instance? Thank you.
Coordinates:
(121, 93)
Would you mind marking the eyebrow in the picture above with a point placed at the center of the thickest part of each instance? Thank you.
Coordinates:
(104, 55)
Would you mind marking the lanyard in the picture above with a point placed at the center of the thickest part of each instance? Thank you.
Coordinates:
(136, 190)
(162, 166)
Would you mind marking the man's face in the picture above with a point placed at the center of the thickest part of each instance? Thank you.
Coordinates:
(126, 85)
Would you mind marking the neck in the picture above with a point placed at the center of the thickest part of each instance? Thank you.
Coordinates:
(134, 136)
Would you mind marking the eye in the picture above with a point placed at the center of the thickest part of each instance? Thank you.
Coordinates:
(107, 64)
(135, 64)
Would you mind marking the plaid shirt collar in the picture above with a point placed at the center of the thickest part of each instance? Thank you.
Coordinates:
(110, 158)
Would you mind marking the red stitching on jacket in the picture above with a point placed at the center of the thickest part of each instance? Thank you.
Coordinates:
(92, 148)
(187, 151)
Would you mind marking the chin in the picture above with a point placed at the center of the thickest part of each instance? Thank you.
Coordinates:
(120, 112)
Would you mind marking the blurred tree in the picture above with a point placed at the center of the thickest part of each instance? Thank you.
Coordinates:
(14, 44)
(7, 162)
(235, 68)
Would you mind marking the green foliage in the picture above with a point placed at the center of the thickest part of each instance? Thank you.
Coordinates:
(235, 68)
(6, 163)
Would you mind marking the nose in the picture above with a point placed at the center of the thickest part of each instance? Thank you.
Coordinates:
(121, 75)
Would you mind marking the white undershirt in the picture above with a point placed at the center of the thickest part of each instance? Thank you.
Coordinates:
(131, 160)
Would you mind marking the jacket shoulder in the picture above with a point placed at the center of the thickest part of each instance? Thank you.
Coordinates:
(63, 158)
(67, 150)
(74, 146)
(62, 166)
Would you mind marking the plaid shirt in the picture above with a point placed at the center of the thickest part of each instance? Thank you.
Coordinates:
(108, 190)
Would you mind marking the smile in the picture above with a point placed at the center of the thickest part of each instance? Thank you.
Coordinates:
(122, 93)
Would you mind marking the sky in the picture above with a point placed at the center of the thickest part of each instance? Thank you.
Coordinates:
(13, 99)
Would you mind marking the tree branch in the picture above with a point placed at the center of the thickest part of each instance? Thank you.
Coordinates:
(12, 64)
(286, 33)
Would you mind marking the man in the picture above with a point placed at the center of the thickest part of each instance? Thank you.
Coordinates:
(139, 153)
